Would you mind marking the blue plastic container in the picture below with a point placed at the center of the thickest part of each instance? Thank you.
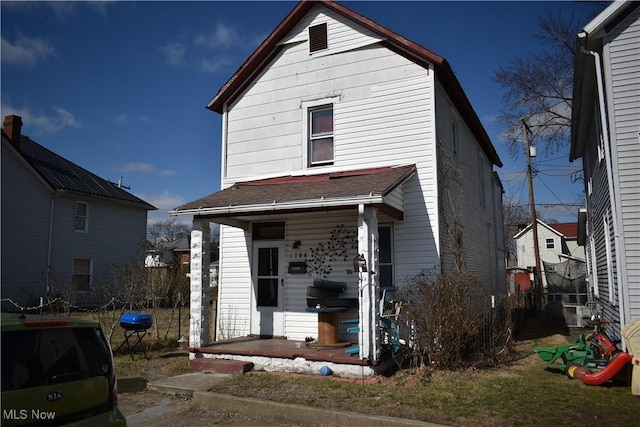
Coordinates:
(325, 370)
(136, 321)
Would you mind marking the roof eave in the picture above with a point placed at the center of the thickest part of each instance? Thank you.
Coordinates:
(275, 206)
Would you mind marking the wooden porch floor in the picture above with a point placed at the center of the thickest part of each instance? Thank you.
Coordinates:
(283, 349)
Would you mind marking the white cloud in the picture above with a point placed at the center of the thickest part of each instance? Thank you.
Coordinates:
(145, 168)
(174, 53)
(163, 215)
(26, 51)
(164, 201)
(124, 118)
(214, 64)
(223, 36)
(210, 52)
(43, 123)
(60, 9)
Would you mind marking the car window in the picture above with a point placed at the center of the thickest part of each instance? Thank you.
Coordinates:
(37, 357)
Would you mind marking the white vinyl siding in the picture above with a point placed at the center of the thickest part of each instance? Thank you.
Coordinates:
(622, 53)
(379, 89)
(460, 168)
(607, 242)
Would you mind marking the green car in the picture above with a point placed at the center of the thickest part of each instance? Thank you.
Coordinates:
(56, 372)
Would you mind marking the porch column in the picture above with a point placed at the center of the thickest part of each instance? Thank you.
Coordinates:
(199, 281)
(369, 283)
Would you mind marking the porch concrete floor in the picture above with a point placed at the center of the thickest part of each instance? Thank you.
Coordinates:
(283, 349)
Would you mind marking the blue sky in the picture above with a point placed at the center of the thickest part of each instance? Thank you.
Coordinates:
(120, 88)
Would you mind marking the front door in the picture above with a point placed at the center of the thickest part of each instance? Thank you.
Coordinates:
(268, 288)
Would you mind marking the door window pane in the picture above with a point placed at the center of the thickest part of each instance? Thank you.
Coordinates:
(268, 262)
(267, 292)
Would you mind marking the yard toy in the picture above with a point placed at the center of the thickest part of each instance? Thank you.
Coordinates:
(615, 365)
(571, 355)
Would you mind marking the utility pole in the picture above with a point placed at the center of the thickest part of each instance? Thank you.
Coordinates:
(537, 276)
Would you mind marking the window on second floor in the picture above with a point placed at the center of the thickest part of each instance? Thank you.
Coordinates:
(321, 135)
(81, 280)
(550, 242)
(81, 222)
(481, 181)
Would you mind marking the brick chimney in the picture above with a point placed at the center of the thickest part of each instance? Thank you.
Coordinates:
(12, 127)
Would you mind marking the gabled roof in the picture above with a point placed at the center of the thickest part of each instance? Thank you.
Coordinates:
(412, 51)
(64, 176)
(303, 193)
(568, 230)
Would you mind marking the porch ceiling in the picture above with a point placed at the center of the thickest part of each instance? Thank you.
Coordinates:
(303, 193)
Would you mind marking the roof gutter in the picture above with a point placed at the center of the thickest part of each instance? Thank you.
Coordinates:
(371, 199)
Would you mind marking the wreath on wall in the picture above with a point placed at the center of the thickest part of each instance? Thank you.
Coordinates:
(322, 256)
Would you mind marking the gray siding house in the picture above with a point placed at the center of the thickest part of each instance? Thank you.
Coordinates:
(62, 226)
(606, 136)
(349, 154)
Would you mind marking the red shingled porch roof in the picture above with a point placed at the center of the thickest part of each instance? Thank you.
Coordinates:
(336, 190)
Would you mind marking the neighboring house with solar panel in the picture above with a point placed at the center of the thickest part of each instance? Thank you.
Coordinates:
(349, 154)
(62, 226)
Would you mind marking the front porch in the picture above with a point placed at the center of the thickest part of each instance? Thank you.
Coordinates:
(273, 354)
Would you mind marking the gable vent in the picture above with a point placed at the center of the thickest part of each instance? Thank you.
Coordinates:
(318, 37)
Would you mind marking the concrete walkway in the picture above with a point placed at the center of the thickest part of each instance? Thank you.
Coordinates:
(198, 384)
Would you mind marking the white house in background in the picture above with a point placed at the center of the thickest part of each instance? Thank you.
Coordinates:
(350, 154)
(62, 226)
(605, 134)
(562, 263)
(555, 242)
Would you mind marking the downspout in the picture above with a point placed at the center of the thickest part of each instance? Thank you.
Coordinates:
(620, 267)
(49, 244)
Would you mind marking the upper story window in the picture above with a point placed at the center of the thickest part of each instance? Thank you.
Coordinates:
(551, 243)
(318, 38)
(81, 222)
(321, 135)
(481, 181)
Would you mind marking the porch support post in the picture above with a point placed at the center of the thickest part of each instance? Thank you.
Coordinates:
(199, 281)
(369, 297)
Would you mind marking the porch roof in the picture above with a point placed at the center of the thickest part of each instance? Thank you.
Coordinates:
(299, 193)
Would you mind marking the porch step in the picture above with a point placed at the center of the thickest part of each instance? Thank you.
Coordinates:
(220, 366)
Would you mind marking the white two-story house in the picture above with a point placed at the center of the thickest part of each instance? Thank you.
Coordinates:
(349, 154)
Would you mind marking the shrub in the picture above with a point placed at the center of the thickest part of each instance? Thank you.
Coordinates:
(454, 323)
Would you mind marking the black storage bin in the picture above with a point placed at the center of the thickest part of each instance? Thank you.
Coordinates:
(318, 292)
(328, 284)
